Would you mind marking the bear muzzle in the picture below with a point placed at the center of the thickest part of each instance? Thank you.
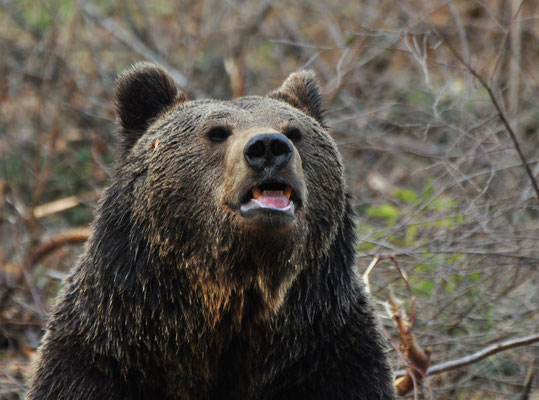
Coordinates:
(265, 182)
(266, 154)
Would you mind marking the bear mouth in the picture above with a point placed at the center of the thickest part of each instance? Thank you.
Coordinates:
(270, 197)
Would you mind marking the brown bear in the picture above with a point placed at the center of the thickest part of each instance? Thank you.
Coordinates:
(221, 259)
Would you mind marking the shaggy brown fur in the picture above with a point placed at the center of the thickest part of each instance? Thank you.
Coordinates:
(182, 295)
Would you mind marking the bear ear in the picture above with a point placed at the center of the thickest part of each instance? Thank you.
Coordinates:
(143, 92)
(301, 90)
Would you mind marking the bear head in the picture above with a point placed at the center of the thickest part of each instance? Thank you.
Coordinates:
(240, 194)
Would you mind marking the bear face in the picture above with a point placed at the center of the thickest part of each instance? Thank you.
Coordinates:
(232, 180)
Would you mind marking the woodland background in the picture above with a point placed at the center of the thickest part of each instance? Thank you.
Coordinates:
(434, 105)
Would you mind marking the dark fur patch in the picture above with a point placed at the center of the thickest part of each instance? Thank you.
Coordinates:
(301, 90)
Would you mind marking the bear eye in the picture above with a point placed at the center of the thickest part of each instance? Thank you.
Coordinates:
(219, 134)
(293, 133)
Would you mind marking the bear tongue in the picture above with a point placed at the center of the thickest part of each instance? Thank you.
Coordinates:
(278, 201)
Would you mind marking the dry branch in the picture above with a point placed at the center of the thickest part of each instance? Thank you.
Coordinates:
(74, 236)
(479, 355)
(482, 354)
(499, 110)
(415, 355)
(528, 382)
(366, 274)
(2, 188)
(56, 206)
(504, 42)
(408, 287)
(418, 359)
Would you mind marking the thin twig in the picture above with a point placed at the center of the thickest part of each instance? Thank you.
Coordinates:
(74, 236)
(133, 42)
(56, 206)
(499, 110)
(504, 42)
(408, 287)
(365, 276)
(482, 354)
(2, 188)
(528, 382)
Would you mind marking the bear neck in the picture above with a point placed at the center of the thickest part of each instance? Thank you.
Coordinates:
(229, 285)
(246, 285)
(233, 283)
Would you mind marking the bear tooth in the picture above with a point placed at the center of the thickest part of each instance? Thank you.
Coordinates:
(288, 192)
(256, 192)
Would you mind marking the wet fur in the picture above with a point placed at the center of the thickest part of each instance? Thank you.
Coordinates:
(177, 297)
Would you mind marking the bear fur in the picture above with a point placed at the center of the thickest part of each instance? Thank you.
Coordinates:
(184, 293)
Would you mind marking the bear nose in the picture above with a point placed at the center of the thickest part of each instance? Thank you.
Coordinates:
(268, 150)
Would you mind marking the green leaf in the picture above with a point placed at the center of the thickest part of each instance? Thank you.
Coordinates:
(420, 98)
(384, 211)
(475, 276)
(429, 188)
(366, 246)
(406, 195)
(424, 288)
(411, 235)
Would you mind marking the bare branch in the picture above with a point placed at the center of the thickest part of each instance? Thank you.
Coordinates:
(482, 354)
(60, 205)
(417, 358)
(74, 236)
(528, 382)
(504, 42)
(499, 110)
(365, 276)
(479, 355)
(408, 287)
(2, 188)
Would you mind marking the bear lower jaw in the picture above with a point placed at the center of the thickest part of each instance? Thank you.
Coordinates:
(268, 226)
(269, 215)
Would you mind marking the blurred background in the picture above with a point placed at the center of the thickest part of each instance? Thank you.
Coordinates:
(434, 105)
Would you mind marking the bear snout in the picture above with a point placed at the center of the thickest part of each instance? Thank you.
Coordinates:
(268, 150)
(264, 180)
